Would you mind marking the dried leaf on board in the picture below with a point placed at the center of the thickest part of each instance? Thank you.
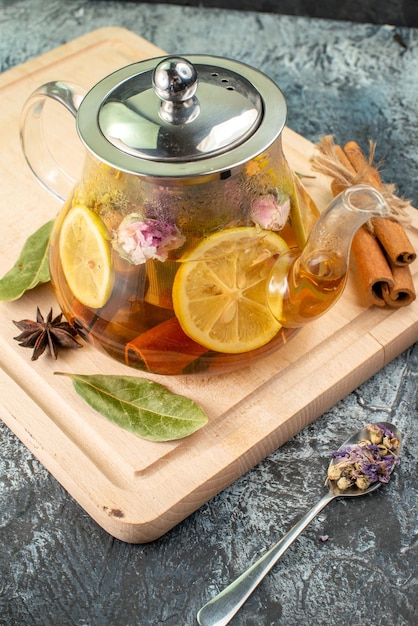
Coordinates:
(31, 268)
(141, 406)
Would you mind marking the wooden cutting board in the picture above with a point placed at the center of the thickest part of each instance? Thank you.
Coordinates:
(135, 489)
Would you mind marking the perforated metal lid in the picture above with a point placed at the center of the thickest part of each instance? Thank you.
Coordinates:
(176, 117)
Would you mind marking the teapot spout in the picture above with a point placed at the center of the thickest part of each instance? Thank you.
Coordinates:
(304, 285)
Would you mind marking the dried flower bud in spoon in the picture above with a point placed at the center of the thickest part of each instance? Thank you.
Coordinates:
(369, 461)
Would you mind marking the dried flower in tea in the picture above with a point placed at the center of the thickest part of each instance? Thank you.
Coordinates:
(137, 240)
(366, 462)
(271, 211)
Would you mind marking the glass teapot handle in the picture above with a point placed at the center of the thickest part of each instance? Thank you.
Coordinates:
(35, 147)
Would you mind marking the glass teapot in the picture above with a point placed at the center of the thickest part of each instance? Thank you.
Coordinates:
(188, 245)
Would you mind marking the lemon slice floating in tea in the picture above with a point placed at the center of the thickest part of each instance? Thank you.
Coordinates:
(86, 257)
(220, 290)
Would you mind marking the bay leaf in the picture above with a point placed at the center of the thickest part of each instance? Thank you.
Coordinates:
(31, 268)
(141, 406)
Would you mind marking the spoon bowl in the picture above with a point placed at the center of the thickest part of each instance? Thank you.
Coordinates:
(354, 439)
(221, 609)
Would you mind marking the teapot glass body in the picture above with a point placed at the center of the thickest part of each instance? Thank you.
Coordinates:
(169, 276)
(188, 245)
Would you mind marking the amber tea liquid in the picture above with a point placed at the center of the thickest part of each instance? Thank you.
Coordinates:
(138, 327)
(299, 294)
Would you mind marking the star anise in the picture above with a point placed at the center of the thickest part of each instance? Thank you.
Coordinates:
(41, 333)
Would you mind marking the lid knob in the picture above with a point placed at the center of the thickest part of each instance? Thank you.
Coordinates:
(175, 82)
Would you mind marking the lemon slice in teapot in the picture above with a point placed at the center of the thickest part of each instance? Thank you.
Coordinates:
(220, 290)
(86, 257)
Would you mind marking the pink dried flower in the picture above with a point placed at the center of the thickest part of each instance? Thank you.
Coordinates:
(137, 240)
(270, 211)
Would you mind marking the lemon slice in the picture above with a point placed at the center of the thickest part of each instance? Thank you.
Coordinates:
(220, 290)
(304, 212)
(85, 256)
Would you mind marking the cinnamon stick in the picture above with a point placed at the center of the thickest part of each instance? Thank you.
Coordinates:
(337, 186)
(390, 233)
(382, 257)
(383, 283)
(403, 291)
(364, 169)
(394, 240)
(164, 349)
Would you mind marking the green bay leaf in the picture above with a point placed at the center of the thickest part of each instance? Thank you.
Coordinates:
(141, 406)
(31, 268)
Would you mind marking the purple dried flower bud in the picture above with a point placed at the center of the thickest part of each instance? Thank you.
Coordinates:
(344, 452)
(376, 432)
(386, 431)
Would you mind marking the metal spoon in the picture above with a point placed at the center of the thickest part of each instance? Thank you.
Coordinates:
(221, 609)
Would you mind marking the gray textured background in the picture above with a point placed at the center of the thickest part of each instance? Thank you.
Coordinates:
(58, 568)
(397, 12)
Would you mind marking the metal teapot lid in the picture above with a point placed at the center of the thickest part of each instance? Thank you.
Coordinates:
(171, 117)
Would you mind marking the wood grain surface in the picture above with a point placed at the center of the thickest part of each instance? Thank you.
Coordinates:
(137, 490)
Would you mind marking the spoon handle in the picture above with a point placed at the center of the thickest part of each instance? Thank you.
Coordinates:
(221, 609)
